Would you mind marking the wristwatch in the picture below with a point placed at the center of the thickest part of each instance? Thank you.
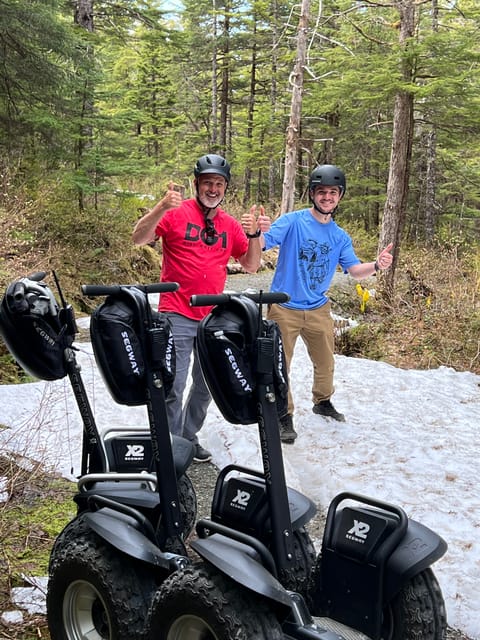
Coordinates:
(253, 235)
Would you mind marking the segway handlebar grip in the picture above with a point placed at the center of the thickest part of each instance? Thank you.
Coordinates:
(268, 297)
(37, 276)
(93, 290)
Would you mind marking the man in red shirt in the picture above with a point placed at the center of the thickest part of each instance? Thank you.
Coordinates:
(198, 240)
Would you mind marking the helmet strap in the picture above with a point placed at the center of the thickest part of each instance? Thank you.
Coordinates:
(323, 213)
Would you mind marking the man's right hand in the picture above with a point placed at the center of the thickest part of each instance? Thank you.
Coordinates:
(172, 199)
(144, 231)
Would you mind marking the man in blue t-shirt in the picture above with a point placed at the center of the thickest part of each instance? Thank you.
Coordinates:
(312, 245)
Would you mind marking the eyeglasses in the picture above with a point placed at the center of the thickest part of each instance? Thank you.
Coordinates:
(210, 232)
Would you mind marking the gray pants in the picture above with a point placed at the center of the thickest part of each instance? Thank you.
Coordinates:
(186, 419)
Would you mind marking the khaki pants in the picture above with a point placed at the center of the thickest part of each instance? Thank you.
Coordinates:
(316, 330)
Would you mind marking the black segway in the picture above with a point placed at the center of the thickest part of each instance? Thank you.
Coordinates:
(257, 579)
(135, 503)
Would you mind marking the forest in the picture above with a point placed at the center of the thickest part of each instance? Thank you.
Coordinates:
(103, 102)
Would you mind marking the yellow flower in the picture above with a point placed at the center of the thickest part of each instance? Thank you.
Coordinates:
(364, 295)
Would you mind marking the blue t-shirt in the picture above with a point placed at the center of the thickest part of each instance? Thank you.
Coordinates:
(309, 255)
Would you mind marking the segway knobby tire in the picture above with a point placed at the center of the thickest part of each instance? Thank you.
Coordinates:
(417, 611)
(297, 577)
(94, 591)
(201, 603)
(188, 504)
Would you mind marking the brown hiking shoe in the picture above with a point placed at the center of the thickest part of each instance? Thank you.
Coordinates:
(326, 408)
(287, 432)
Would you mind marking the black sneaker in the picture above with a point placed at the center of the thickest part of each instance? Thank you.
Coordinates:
(326, 408)
(201, 454)
(287, 432)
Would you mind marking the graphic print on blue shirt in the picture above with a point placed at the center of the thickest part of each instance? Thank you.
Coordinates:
(309, 254)
(314, 263)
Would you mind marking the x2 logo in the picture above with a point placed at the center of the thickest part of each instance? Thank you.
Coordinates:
(240, 501)
(135, 452)
(359, 531)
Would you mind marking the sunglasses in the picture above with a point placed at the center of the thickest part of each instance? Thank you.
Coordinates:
(210, 232)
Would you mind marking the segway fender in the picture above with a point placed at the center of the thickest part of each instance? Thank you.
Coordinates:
(119, 530)
(242, 564)
(369, 553)
(418, 549)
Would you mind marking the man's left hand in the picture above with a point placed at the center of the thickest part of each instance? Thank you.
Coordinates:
(251, 223)
(385, 258)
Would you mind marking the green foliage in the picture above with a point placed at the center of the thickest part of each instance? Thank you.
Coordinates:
(133, 100)
(362, 341)
(11, 372)
(36, 76)
(365, 242)
(38, 509)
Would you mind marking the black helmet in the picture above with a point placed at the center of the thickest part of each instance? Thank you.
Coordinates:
(35, 328)
(328, 175)
(212, 163)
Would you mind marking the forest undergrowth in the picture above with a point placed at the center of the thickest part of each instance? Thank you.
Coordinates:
(431, 320)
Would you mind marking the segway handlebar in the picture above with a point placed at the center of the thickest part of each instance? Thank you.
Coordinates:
(93, 290)
(268, 297)
(18, 288)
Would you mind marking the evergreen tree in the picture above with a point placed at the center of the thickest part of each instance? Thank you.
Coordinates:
(36, 79)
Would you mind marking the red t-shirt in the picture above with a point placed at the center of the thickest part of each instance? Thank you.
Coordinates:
(198, 268)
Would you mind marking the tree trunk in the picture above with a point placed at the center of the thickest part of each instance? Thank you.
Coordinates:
(431, 168)
(83, 16)
(272, 165)
(293, 128)
(225, 82)
(431, 187)
(250, 116)
(214, 136)
(394, 212)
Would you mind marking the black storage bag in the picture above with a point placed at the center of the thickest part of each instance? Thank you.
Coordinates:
(121, 345)
(35, 330)
(226, 349)
(280, 375)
